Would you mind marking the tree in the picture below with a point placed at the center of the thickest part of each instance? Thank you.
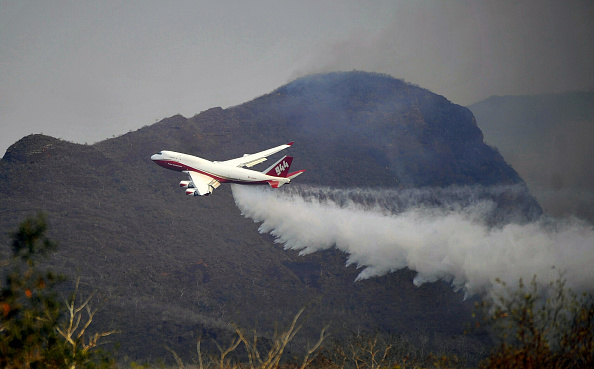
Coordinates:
(30, 311)
(29, 308)
(74, 333)
(537, 327)
(259, 360)
(280, 340)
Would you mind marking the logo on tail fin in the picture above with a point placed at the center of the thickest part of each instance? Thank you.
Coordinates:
(280, 168)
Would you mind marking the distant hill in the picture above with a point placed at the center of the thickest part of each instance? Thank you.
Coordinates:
(548, 140)
(174, 267)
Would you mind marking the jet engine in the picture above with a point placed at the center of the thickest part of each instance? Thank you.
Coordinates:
(193, 192)
(186, 184)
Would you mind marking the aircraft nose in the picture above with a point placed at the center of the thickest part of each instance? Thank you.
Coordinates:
(155, 157)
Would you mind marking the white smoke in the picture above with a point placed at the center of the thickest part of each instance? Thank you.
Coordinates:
(385, 230)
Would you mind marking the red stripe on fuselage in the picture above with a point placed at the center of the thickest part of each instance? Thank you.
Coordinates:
(179, 167)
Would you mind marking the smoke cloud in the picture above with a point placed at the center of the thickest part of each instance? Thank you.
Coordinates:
(442, 234)
(468, 51)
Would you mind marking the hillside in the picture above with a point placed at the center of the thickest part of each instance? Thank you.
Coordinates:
(548, 140)
(172, 267)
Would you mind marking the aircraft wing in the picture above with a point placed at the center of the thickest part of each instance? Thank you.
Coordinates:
(249, 160)
(203, 183)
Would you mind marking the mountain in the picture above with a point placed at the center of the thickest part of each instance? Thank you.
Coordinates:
(173, 267)
(548, 140)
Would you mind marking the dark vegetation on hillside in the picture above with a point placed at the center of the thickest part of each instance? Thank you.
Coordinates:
(532, 328)
(173, 268)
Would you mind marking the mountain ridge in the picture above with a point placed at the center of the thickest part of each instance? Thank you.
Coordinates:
(175, 267)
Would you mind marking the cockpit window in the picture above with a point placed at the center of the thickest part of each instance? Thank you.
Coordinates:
(158, 153)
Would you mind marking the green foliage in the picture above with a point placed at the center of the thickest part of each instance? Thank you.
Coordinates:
(29, 308)
(541, 328)
(30, 240)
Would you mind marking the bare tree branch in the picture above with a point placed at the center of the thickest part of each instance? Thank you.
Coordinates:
(307, 360)
(71, 332)
(179, 361)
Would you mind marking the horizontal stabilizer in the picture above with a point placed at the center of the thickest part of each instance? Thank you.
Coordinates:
(295, 174)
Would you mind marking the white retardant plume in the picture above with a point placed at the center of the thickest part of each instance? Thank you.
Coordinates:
(386, 230)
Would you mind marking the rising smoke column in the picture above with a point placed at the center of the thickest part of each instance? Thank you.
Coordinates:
(382, 231)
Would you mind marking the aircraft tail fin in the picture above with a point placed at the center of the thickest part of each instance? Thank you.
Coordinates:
(280, 168)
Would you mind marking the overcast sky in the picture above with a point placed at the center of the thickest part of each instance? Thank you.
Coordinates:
(86, 70)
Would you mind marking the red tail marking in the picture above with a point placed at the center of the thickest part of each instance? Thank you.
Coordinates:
(273, 184)
(281, 167)
(294, 173)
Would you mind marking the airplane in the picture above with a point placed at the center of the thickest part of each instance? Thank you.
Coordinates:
(205, 175)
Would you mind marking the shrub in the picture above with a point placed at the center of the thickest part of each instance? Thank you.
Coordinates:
(537, 327)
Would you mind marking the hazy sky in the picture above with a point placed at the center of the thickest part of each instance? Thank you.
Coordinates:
(87, 70)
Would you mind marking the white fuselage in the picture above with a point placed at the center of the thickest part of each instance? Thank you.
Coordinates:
(223, 173)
